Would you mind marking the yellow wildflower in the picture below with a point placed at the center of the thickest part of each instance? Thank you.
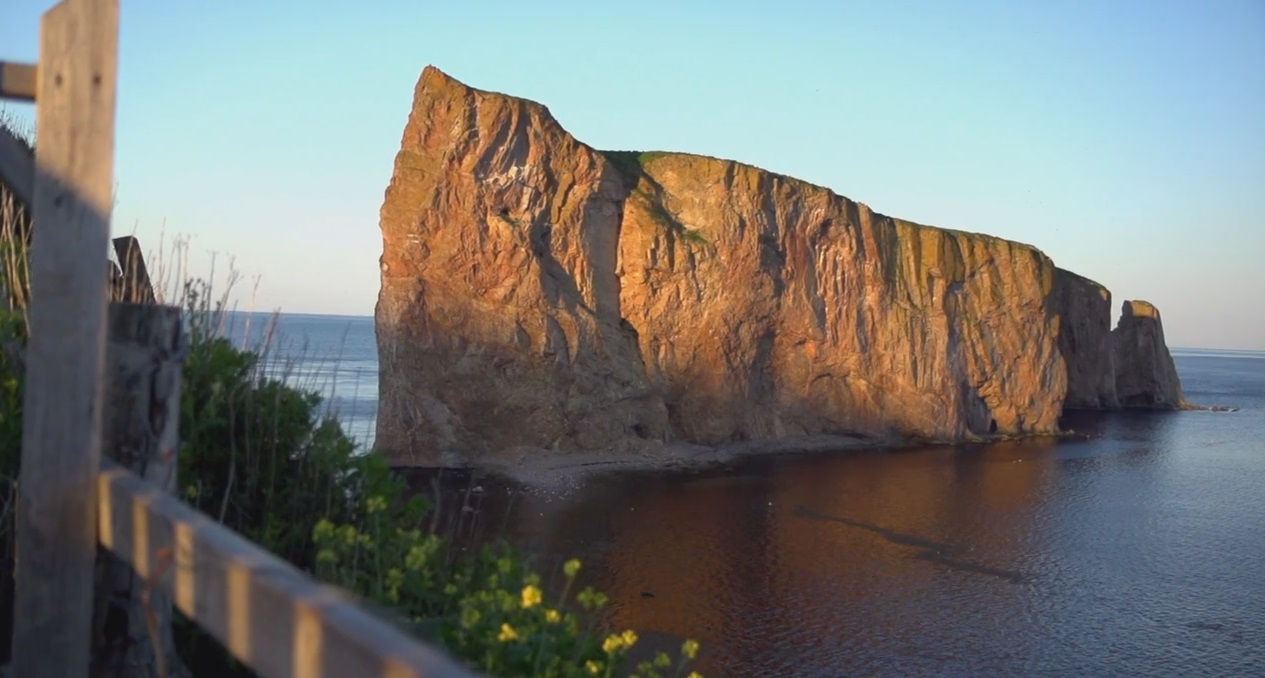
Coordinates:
(571, 568)
(415, 558)
(613, 643)
(348, 534)
(323, 530)
(507, 633)
(630, 638)
(690, 648)
(531, 597)
(553, 616)
(593, 667)
(694, 674)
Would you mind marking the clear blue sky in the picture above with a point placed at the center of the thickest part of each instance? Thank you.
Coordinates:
(1125, 139)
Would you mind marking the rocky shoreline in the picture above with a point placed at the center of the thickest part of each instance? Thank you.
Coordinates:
(554, 470)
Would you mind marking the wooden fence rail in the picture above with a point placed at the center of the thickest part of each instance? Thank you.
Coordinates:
(17, 81)
(269, 615)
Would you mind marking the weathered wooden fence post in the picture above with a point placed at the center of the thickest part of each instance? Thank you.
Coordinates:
(136, 286)
(144, 357)
(57, 505)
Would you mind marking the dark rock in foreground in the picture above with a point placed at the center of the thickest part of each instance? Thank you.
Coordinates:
(1146, 377)
(1084, 309)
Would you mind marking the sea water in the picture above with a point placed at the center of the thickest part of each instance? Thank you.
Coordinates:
(1139, 551)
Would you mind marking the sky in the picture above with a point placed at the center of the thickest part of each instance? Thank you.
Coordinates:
(1125, 139)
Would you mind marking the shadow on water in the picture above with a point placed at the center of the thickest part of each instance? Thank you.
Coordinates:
(468, 507)
(1126, 425)
(933, 551)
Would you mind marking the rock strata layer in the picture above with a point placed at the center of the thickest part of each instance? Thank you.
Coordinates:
(540, 295)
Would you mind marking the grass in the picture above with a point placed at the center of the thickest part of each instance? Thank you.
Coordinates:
(630, 163)
(695, 236)
(664, 219)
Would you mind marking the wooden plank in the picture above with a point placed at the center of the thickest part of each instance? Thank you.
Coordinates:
(17, 167)
(144, 358)
(74, 165)
(268, 614)
(17, 81)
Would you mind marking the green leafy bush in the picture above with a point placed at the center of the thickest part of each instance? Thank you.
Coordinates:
(256, 452)
(259, 455)
(489, 609)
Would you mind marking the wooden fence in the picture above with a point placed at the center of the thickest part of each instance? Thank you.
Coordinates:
(268, 614)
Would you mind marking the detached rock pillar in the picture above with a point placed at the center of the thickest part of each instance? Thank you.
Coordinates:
(1146, 377)
(1084, 309)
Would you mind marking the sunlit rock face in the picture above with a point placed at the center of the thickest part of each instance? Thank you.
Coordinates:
(538, 294)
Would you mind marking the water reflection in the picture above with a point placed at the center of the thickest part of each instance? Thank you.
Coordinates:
(742, 559)
(1135, 551)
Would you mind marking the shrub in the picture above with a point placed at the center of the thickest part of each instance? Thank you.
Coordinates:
(257, 454)
(489, 609)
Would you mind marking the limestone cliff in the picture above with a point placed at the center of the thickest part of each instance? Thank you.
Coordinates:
(539, 294)
(1084, 310)
(1146, 377)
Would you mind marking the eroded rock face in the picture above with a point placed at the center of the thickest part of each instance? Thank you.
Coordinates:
(1146, 377)
(768, 307)
(1084, 309)
(537, 293)
(499, 320)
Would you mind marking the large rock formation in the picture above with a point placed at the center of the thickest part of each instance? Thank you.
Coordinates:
(1146, 377)
(537, 293)
(1084, 310)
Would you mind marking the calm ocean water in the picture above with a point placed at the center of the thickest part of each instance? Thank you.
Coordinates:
(1138, 552)
(337, 355)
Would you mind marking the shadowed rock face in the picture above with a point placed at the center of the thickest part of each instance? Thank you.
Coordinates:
(1146, 377)
(539, 294)
(499, 320)
(1084, 308)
